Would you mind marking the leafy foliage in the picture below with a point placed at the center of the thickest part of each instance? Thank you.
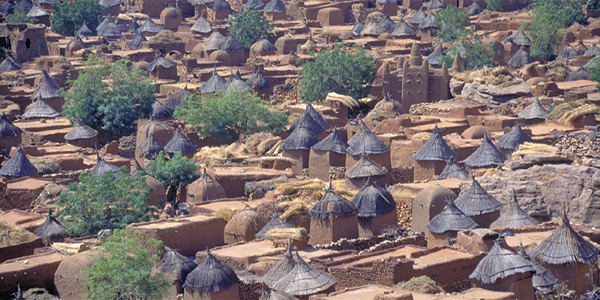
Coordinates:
(463, 42)
(115, 107)
(546, 28)
(250, 26)
(18, 17)
(337, 70)
(104, 202)
(593, 6)
(68, 16)
(125, 269)
(593, 67)
(231, 114)
(495, 5)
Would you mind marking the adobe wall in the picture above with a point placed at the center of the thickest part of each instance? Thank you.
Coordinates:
(520, 284)
(9, 142)
(233, 293)
(387, 272)
(153, 8)
(38, 273)
(427, 169)
(369, 227)
(439, 239)
(574, 275)
(27, 41)
(451, 273)
(85, 143)
(20, 249)
(383, 159)
(332, 229)
(485, 220)
(300, 158)
(320, 161)
(19, 198)
(165, 73)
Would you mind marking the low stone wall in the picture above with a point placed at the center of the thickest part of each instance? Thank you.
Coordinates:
(377, 243)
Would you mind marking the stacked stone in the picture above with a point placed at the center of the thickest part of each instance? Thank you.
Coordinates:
(580, 145)
(384, 241)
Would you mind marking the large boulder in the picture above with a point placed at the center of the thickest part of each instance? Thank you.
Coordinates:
(428, 203)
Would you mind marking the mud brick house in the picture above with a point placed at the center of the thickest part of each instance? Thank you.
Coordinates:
(479, 205)
(332, 218)
(376, 210)
(329, 152)
(446, 224)
(432, 156)
(25, 41)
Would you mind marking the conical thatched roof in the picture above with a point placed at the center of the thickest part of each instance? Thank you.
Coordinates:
(84, 30)
(365, 140)
(177, 264)
(10, 64)
(161, 111)
(373, 29)
(51, 230)
(256, 3)
(332, 203)
(387, 24)
(403, 29)
(534, 111)
(486, 155)
(80, 131)
(332, 143)
(160, 61)
(519, 38)
(373, 200)
(514, 138)
(180, 143)
(427, 22)
(513, 216)
(565, 245)
(474, 9)
(231, 44)
(213, 84)
(418, 17)
(175, 100)
(137, 41)
(437, 4)
(102, 167)
(435, 58)
(304, 279)
(274, 6)
(263, 45)
(259, 80)
(281, 269)
(108, 28)
(36, 12)
(210, 276)
(150, 27)
(47, 88)
(500, 263)
(581, 48)
(476, 201)
(364, 168)
(276, 295)
(453, 170)
(150, 146)
(450, 219)
(308, 122)
(580, 74)
(593, 50)
(435, 148)
(40, 109)
(7, 128)
(300, 139)
(313, 113)
(520, 58)
(214, 41)
(201, 26)
(542, 280)
(568, 52)
(275, 223)
(221, 6)
(18, 166)
(358, 28)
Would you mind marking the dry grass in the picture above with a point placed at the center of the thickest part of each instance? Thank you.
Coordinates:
(533, 148)
(346, 100)
(563, 108)
(499, 76)
(13, 236)
(421, 284)
(46, 166)
(50, 193)
(165, 37)
(225, 213)
(211, 155)
(586, 109)
(297, 234)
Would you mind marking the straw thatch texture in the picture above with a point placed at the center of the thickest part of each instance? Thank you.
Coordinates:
(500, 263)
(51, 230)
(514, 138)
(520, 58)
(180, 143)
(36, 12)
(332, 203)
(47, 88)
(274, 6)
(14, 235)
(281, 269)
(403, 29)
(263, 46)
(212, 85)
(10, 64)
(474, 9)
(373, 200)
(437, 4)
(568, 52)
(274, 223)
(593, 50)
(210, 276)
(534, 111)
(108, 28)
(580, 74)
(313, 113)
(365, 140)
(519, 38)
(84, 30)
(365, 167)
(102, 167)
(221, 6)
(300, 139)
(18, 166)
(258, 80)
(276, 295)
(435, 58)
(201, 26)
(304, 279)
(542, 280)
(7, 128)
(160, 61)
(256, 3)
(476, 201)
(40, 109)
(309, 123)
(332, 143)
(435, 149)
(387, 24)
(177, 264)
(150, 146)
(137, 41)
(161, 111)
(450, 219)
(214, 41)
(231, 44)
(486, 155)
(427, 22)
(80, 131)
(418, 17)
(513, 216)
(150, 27)
(175, 100)
(453, 170)
(373, 29)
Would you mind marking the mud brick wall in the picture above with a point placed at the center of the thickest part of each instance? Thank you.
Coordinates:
(251, 291)
(376, 243)
(385, 273)
(21, 249)
(450, 273)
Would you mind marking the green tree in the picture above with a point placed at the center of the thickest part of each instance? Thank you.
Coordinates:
(337, 70)
(250, 26)
(115, 107)
(19, 16)
(124, 269)
(593, 6)
(231, 115)
(174, 173)
(110, 201)
(68, 16)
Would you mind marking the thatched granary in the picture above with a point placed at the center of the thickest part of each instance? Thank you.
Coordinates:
(445, 225)
(505, 271)
(568, 256)
(258, 4)
(387, 24)
(213, 42)
(475, 8)
(150, 28)
(10, 135)
(235, 84)
(510, 142)
(177, 267)
(18, 166)
(235, 50)
(312, 120)
(513, 216)
(568, 52)
(373, 29)
(10, 64)
(49, 91)
(366, 141)
(276, 295)
(84, 30)
(102, 167)
(162, 68)
(418, 17)
(286, 45)
(205, 189)
(181, 143)
(161, 111)
(202, 26)
(51, 231)
(358, 28)
(580, 74)
(428, 204)
(453, 170)
(40, 110)
(136, 42)
(281, 269)
(535, 111)
(109, 29)
(437, 4)
(219, 10)
(243, 226)
(275, 223)
(332, 218)
(376, 210)
(82, 136)
(74, 45)
(275, 11)
(520, 58)
(214, 279)
(365, 168)
(543, 280)
(593, 50)
(150, 147)
(214, 84)
(404, 30)
(435, 57)
(519, 38)
(175, 100)
(40, 15)
(479, 205)
(171, 18)
(431, 157)
(329, 152)
(262, 47)
(304, 280)
(297, 147)
(487, 155)
(258, 82)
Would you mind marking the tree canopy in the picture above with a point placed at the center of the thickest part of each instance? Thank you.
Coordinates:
(68, 16)
(250, 26)
(124, 269)
(109, 201)
(337, 70)
(19, 16)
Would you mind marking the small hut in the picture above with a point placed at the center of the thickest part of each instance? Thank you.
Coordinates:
(161, 111)
(161, 131)
(51, 231)
(258, 4)
(307, 121)
(205, 189)
(84, 30)
(40, 110)
(286, 45)
(275, 223)
(262, 48)
(177, 267)
(373, 29)
(479, 205)
(162, 68)
(243, 226)
(431, 157)
(453, 170)
(102, 167)
(309, 45)
(114, 6)
(171, 18)
(213, 280)
(297, 147)
(10, 135)
(304, 280)
(174, 100)
(568, 52)
(366, 141)
(234, 49)
(181, 143)
(520, 58)
(214, 84)
(281, 269)
(474, 9)
(534, 112)
(519, 39)
(332, 218)
(487, 155)
(136, 42)
(10, 64)
(213, 43)
(387, 24)
(18, 166)
(329, 152)
(235, 83)
(510, 142)
(202, 26)
(365, 168)
(150, 148)
(513, 216)
(258, 82)
(404, 30)
(426, 27)
(275, 11)
(150, 28)
(580, 74)
(376, 210)
(445, 225)
(543, 280)
(437, 4)
(219, 10)
(40, 15)
(569, 257)
(435, 57)
(593, 50)
(109, 29)
(74, 45)
(388, 7)
(49, 91)
(505, 271)
(581, 48)
(358, 28)
(82, 136)
(418, 17)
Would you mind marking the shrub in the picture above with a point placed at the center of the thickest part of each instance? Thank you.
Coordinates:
(18, 17)
(68, 16)
(250, 26)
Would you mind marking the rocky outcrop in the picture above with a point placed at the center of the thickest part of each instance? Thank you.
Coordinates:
(488, 94)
